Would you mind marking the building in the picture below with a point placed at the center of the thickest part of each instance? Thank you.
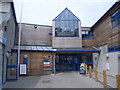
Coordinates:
(8, 27)
(66, 44)
(106, 33)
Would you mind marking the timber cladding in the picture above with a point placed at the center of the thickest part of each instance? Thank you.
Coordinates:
(35, 62)
(104, 33)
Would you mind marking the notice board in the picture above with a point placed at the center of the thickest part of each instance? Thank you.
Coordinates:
(23, 69)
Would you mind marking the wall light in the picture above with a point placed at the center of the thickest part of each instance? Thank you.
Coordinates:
(7, 54)
(107, 55)
(96, 57)
(25, 56)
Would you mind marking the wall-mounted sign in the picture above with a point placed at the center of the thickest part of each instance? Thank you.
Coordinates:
(23, 70)
(2, 37)
(47, 66)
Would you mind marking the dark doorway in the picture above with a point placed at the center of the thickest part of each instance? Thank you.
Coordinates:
(71, 62)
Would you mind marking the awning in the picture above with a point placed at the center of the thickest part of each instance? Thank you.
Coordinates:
(34, 48)
(50, 49)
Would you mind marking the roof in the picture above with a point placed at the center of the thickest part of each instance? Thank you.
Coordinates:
(66, 14)
(115, 5)
(50, 49)
(34, 48)
(78, 50)
(36, 24)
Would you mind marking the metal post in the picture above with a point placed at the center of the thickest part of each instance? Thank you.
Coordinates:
(118, 82)
(86, 69)
(90, 71)
(53, 63)
(104, 79)
(19, 36)
(96, 75)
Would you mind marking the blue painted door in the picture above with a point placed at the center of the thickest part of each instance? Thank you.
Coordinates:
(12, 67)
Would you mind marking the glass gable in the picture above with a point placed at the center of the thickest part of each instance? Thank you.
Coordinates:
(66, 24)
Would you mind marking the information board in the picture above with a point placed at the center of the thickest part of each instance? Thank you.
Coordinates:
(23, 69)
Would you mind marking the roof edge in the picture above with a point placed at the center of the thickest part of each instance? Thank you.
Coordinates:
(116, 3)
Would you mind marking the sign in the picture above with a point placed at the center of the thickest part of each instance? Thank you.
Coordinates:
(46, 62)
(47, 66)
(2, 37)
(23, 69)
(107, 66)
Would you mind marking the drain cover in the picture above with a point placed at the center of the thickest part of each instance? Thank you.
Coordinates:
(46, 81)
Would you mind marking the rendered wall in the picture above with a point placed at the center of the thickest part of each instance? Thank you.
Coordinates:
(66, 42)
(102, 61)
(10, 34)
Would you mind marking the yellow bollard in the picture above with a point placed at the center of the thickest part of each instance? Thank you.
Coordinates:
(118, 82)
(104, 79)
(86, 69)
(90, 71)
(96, 75)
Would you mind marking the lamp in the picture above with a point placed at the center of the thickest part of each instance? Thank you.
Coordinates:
(96, 56)
(7, 54)
(25, 56)
(107, 55)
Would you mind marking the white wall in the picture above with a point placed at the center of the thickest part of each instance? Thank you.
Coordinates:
(102, 61)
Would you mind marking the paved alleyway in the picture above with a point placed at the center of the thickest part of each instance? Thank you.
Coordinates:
(60, 80)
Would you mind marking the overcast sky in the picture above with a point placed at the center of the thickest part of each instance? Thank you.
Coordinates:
(44, 11)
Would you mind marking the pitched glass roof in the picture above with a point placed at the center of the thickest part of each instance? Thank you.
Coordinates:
(66, 15)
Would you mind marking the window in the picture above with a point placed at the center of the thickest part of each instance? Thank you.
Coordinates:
(114, 49)
(115, 18)
(66, 24)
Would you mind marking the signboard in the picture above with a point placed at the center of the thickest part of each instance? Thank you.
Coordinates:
(23, 69)
(47, 66)
(2, 37)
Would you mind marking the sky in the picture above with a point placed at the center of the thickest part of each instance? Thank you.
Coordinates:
(42, 12)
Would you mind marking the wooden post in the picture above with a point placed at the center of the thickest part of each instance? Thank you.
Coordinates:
(96, 75)
(86, 69)
(104, 79)
(118, 82)
(90, 71)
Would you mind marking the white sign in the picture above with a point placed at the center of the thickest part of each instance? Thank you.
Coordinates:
(23, 69)
(46, 62)
(107, 66)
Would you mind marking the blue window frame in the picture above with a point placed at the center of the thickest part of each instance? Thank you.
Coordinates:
(115, 18)
(114, 49)
(87, 35)
(66, 24)
(87, 32)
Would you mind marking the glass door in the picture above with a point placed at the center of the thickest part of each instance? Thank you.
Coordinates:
(12, 66)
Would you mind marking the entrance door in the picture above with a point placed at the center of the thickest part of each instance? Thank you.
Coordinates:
(12, 66)
(87, 59)
(67, 62)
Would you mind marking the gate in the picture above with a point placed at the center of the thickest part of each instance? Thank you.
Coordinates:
(12, 66)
